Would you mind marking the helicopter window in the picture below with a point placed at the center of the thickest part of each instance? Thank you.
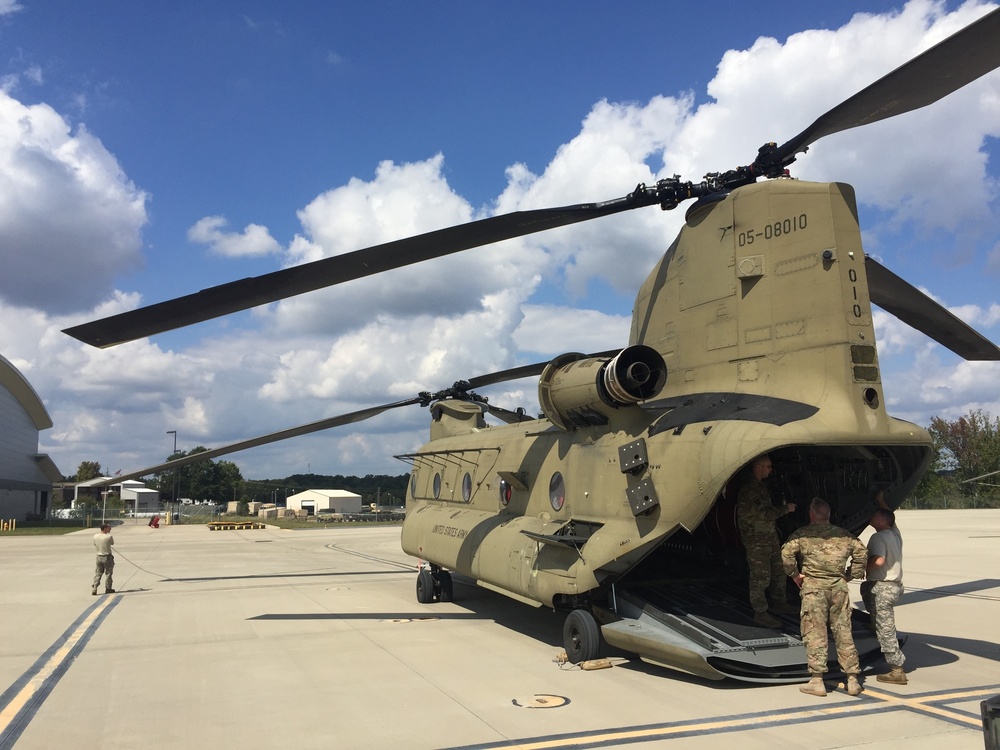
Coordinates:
(557, 491)
(413, 484)
(437, 486)
(505, 492)
(466, 487)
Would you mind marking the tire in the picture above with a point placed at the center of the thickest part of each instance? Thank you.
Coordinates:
(425, 586)
(581, 636)
(445, 590)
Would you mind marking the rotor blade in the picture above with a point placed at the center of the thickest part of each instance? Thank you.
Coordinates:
(305, 429)
(325, 424)
(271, 287)
(944, 68)
(916, 309)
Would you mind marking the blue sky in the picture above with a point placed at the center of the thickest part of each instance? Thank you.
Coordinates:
(152, 150)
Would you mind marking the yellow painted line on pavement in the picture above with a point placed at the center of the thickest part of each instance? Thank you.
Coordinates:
(922, 703)
(871, 702)
(743, 722)
(19, 702)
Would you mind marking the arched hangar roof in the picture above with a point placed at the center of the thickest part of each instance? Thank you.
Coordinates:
(17, 384)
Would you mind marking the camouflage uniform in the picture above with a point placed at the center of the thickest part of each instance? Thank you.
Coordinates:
(824, 550)
(882, 590)
(105, 560)
(756, 515)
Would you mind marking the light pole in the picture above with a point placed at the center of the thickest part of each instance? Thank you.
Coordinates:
(173, 493)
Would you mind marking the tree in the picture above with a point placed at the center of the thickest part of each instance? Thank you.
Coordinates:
(970, 445)
(201, 480)
(964, 448)
(88, 470)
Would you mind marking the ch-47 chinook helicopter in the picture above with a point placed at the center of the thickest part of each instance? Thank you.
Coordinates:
(753, 334)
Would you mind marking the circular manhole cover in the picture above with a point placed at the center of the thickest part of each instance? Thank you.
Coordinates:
(541, 701)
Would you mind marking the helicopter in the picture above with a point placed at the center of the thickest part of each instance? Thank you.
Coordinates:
(752, 335)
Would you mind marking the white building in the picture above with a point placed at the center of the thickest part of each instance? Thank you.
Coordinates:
(136, 495)
(26, 476)
(334, 501)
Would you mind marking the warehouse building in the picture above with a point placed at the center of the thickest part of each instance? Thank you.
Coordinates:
(332, 501)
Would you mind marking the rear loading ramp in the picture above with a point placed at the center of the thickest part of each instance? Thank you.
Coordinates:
(714, 636)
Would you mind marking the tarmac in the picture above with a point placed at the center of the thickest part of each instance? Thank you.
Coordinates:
(313, 638)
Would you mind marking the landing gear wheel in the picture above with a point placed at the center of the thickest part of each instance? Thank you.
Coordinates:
(425, 586)
(581, 636)
(445, 591)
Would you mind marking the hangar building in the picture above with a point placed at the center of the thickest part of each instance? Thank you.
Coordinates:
(26, 476)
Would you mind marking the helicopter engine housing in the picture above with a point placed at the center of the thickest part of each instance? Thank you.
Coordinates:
(579, 391)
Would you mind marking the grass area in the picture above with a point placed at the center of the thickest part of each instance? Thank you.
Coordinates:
(41, 530)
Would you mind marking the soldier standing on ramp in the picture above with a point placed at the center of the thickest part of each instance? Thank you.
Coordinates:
(756, 515)
(816, 558)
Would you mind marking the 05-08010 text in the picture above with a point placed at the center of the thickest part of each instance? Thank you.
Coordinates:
(775, 229)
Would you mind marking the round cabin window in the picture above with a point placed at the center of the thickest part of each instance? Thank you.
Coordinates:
(557, 491)
(505, 492)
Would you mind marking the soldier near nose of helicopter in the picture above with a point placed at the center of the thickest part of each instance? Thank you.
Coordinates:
(756, 515)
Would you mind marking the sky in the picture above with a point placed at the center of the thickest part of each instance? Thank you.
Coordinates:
(149, 150)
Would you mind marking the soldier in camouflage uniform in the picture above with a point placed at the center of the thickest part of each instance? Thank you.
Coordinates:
(816, 558)
(756, 515)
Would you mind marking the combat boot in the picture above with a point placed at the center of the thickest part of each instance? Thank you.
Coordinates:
(94, 592)
(767, 619)
(853, 686)
(896, 676)
(783, 608)
(815, 686)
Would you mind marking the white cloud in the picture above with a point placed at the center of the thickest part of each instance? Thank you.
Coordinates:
(253, 241)
(402, 200)
(69, 218)
(551, 330)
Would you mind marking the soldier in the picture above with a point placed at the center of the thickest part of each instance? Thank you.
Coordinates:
(756, 515)
(103, 541)
(824, 550)
(884, 587)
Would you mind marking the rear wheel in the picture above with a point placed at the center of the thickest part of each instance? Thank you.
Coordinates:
(581, 636)
(425, 586)
(445, 591)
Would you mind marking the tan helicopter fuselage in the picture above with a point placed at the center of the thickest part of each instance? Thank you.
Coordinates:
(761, 314)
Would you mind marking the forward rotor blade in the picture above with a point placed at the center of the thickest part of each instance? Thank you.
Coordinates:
(944, 68)
(305, 429)
(289, 282)
(916, 309)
